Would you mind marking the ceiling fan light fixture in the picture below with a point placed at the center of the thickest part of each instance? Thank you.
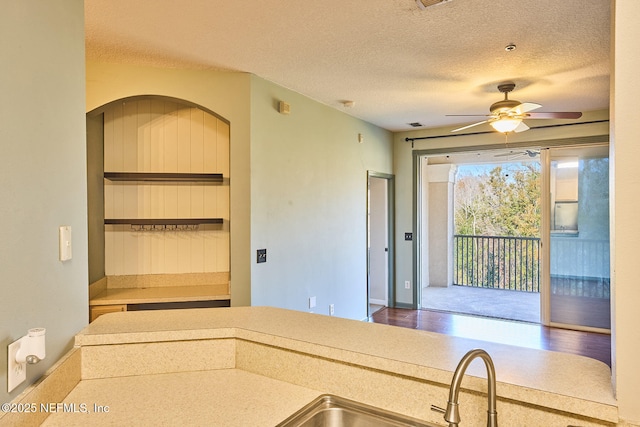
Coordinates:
(506, 125)
(507, 115)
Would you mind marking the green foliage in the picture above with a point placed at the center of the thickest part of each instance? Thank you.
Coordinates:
(502, 201)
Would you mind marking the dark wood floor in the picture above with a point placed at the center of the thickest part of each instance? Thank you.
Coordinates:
(590, 344)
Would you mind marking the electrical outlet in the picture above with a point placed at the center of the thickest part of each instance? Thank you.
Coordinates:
(407, 284)
(312, 302)
(331, 309)
(16, 372)
(261, 256)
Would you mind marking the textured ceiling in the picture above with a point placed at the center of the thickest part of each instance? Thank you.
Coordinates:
(398, 63)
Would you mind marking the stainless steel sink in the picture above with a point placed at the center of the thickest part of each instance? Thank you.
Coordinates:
(333, 411)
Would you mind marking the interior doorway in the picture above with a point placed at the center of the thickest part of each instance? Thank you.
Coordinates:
(379, 242)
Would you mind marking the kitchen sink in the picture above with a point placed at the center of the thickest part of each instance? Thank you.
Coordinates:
(333, 411)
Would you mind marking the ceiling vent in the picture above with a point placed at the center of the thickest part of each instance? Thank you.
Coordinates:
(423, 4)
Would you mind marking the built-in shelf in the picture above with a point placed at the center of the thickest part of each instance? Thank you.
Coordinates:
(164, 221)
(164, 176)
(142, 224)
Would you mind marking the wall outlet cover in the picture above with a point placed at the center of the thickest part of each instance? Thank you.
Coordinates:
(408, 236)
(261, 256)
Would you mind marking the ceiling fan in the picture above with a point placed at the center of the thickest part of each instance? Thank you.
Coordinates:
(507, 115)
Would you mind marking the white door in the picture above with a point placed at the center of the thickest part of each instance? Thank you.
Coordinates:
(378, 241)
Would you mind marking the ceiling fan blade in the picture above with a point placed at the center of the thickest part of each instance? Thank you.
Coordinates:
(469, 126)
(557, 115)
(467, 115)
(521, 127)
(525, 107)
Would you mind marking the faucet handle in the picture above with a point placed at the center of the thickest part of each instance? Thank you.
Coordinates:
(437, 409)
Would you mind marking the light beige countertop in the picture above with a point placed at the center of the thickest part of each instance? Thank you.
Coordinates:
(158, 294)
(225, 397)
(553, 379)
(258, 365)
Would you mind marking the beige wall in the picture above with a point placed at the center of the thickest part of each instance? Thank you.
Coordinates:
(42, 171)
(625, 182)
(439, 180)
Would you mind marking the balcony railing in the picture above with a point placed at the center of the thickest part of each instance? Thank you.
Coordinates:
(497, 262)
(579, 267)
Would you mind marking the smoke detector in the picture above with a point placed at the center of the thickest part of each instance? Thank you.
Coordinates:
(423, 4)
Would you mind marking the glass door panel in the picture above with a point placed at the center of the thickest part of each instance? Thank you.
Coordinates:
(579, 237)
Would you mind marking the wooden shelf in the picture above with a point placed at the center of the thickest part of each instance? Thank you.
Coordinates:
(164, 221)
(114, 296)
(164, 176)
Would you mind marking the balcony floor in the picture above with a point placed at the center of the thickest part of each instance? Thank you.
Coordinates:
(496, 303)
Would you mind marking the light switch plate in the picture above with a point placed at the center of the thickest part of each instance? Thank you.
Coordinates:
(16, 372)
(65, 242)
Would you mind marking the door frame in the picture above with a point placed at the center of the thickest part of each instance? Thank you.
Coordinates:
(390, 181)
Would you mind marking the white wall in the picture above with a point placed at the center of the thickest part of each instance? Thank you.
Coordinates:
(308, 202)
(624, 184)
(42, 176)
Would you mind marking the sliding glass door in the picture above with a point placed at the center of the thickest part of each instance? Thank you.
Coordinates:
(488, 225)
(579, 277)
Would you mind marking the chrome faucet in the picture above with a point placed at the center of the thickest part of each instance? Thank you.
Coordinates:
(452, 415)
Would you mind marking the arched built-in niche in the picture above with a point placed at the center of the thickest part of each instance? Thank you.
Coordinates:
(158, 195)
